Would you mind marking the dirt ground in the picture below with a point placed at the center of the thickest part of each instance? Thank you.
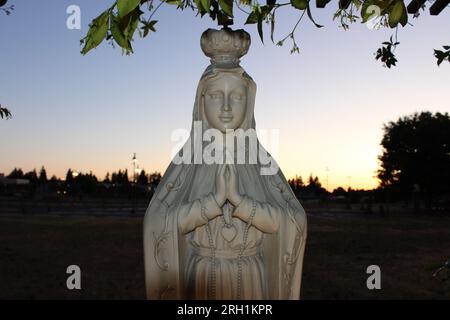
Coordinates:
(35, 251)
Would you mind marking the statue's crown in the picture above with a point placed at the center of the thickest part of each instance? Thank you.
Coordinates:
(225, 47)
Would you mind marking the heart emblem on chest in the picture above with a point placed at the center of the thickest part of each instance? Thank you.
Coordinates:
(229, 233)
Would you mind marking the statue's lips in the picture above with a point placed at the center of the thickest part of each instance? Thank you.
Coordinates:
(226, 118)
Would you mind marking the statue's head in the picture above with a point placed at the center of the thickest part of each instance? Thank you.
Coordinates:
(225, 101)
(226, 93)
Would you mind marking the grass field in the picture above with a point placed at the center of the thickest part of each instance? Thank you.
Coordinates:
(36, 250)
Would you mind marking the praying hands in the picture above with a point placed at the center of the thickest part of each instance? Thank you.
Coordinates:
(227, 185)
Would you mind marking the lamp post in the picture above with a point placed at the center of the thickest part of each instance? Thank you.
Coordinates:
(134, 167)
(348, 199)
(326, 194)
(133, 184)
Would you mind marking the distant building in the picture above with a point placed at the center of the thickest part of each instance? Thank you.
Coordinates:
(16, 182)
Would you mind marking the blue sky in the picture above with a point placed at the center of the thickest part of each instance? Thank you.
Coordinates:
(92, 112)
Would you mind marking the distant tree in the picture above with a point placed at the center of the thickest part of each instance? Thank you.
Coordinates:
(313, 182)
(93, 177)
(54, 178)
(120, 177)
(416, 154)
(142, 179)
(42, 175)
(53, 184)
(315, 187)
(107, 179)
(154, 179)
(86, 182)
(32, 176)
(125, 179)
(114, 178)
(16, 174)
(339, 191)
(69, 177)
(297, 185)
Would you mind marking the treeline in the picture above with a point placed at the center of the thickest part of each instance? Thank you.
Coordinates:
(312, 190)
(117, 183)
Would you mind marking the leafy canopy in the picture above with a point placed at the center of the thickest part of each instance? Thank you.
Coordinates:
(120, 23)
(416, 152)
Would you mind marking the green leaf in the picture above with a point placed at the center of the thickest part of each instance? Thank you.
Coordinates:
(386, 54)
(206, 4)
(148, 26)
(343, 4)
(441, 55)
(5, 113)
(300, 4)
(398, 14)
(258, 14)
(404, 18)
(227, 7)
(118, 34)
(124, 7)
(252, 17)
(308, 11)
(272, 26)
(129, 23)
(200, 7)
(97, 32)
(260, 31)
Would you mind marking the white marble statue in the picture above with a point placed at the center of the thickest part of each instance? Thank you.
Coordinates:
(223, 230)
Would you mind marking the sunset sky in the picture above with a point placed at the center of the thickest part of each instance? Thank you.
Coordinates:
(93, 112)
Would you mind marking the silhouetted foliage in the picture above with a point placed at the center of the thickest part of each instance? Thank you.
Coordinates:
(339, 191)
(296, 183)
(142, 179)
(120, 177)
(312, 190)
(120, 23)
(154, 178)
(16, 174)
(69, 177)
(4, 8)
(87, 182)
(42, 176)
(32, 176)
(4, 113)
(416, 154)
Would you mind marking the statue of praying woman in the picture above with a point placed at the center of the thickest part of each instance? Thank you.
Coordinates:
(222, 227)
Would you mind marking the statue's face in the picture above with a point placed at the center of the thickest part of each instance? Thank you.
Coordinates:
(225, 102)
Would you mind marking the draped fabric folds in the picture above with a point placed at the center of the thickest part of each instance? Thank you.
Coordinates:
(178, 255)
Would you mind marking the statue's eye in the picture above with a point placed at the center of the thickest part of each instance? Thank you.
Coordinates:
(237, 96)
(214, 96)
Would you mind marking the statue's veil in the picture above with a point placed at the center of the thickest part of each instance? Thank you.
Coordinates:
(164, 245)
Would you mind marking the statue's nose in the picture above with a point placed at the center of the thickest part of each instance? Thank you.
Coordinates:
(226, 105)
